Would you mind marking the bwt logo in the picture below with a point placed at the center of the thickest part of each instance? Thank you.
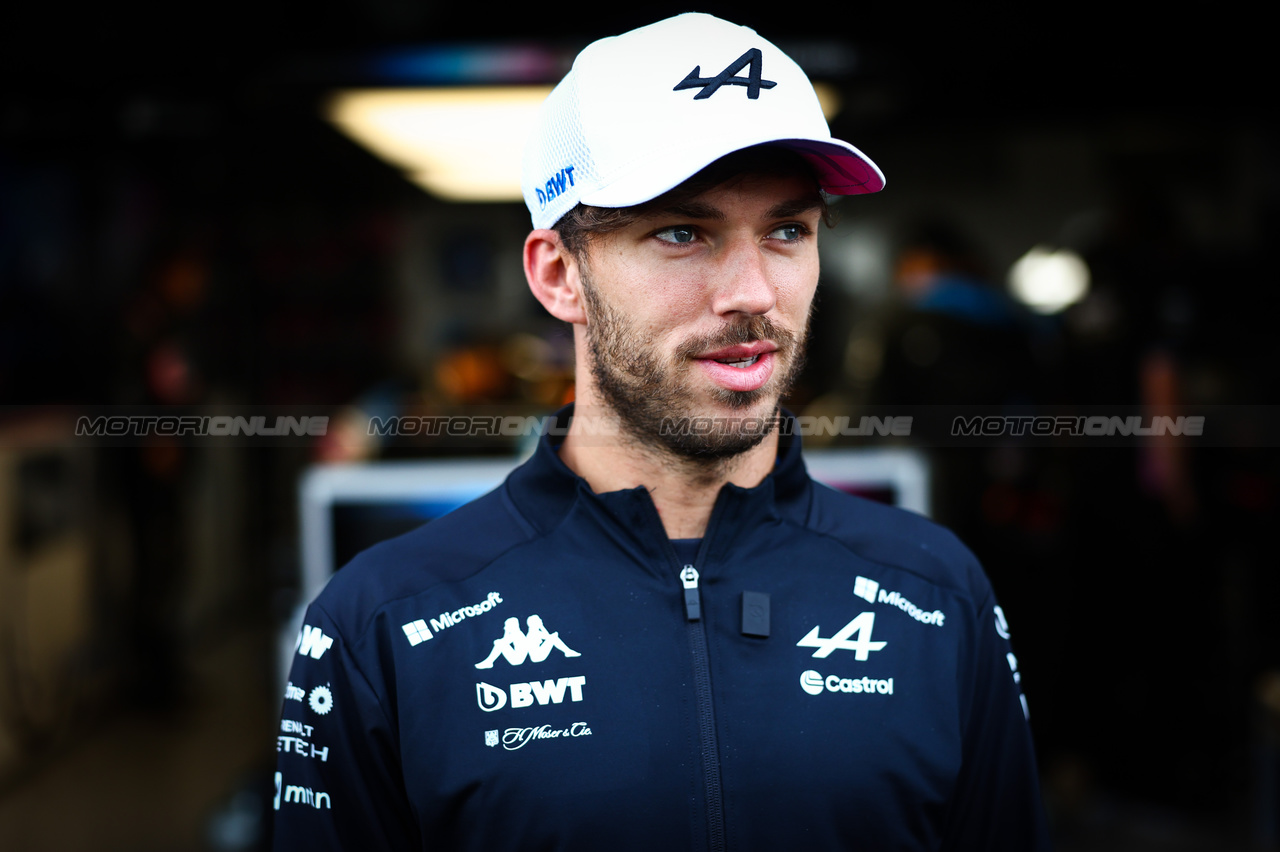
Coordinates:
(544, 692)
(556, 186)
(312, 642)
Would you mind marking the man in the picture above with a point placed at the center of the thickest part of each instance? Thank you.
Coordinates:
(732, 657)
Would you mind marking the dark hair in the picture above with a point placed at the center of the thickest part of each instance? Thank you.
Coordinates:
(577, 227)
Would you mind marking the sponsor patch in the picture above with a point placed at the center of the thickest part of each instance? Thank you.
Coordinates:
(871, 592)
(815, 684)
(312, 642)
(534, 645)
(543, 692)
(294, 794)
(514, 739)
(419, 631)
(295, 738)
(854, 636)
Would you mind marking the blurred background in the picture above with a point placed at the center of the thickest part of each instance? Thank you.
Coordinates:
(194, 220)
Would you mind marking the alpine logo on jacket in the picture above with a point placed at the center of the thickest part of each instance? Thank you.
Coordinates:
(854, 636)
(516, 645)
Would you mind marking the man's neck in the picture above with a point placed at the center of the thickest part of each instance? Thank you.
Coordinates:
(684, 491)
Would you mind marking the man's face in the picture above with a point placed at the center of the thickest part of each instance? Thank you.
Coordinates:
(701, 311)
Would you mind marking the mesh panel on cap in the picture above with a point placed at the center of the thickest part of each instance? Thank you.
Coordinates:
(558, 143)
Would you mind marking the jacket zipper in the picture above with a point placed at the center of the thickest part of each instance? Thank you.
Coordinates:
(706, 713)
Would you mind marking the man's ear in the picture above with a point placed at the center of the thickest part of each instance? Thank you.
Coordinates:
(553, 275)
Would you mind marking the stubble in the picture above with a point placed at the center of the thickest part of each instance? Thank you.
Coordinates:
(654, 402)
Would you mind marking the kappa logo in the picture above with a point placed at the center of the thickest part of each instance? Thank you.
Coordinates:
(754, 82)
(854, 636)
(516, 646)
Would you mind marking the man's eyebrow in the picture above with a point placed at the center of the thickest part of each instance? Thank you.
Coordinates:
(702, 210)
(690, 210)
(796, 207)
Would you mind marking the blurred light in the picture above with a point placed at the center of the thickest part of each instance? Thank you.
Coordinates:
(1049, 281)
(462, 144)
(829, 98)
(469, 64)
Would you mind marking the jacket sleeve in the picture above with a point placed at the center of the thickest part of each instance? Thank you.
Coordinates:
(338, 782)
(997, 805)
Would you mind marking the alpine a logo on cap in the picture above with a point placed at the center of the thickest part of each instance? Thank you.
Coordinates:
(710, 85)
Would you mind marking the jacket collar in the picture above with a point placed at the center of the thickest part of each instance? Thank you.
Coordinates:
(544, 489)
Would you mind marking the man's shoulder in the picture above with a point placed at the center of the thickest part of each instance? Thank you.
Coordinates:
(896, 537)
(448, 549)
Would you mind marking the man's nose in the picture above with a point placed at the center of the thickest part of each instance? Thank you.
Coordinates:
(743, 283)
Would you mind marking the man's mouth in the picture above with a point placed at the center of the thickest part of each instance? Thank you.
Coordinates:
(742, 366)
(741, 354)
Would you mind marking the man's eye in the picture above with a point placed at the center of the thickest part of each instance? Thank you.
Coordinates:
(789, 232)
(676, 235)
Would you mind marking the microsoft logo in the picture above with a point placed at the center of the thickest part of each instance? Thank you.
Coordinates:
(417, 631)
(866, 589)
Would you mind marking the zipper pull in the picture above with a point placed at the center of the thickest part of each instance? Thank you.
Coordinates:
(692, 600)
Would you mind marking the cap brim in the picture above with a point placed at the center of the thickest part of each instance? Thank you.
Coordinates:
(842, 169)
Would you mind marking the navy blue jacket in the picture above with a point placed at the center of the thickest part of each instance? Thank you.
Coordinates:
(539, 670)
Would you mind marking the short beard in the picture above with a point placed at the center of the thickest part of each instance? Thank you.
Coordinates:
(650, 404)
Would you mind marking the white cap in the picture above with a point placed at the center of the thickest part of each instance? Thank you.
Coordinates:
(640, 113)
